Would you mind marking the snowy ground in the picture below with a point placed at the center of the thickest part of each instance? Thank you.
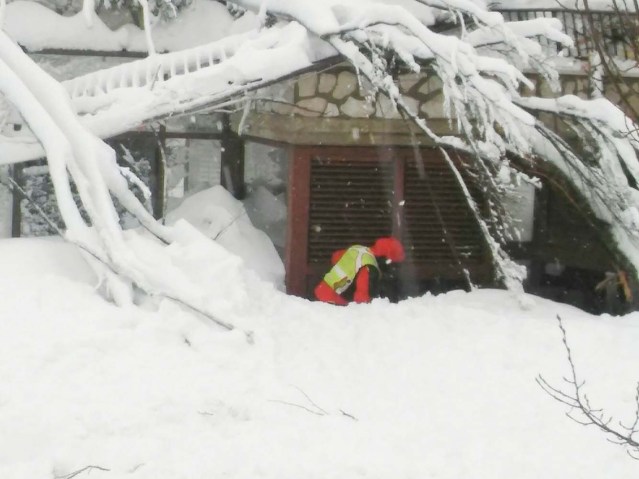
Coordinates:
(433, 387)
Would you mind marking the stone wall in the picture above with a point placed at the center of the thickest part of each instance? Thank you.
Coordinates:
(340, 93)
(337, 107)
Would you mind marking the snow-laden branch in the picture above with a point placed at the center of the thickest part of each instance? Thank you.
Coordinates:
(604, 172)
(69, 146)
(119, 99)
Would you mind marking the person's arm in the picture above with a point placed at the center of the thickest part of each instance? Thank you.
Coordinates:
(362, 286)
(325, 293)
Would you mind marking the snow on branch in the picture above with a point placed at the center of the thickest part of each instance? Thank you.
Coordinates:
(604, 171)
(71, 148)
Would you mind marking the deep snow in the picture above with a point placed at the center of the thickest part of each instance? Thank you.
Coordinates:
(437, 386)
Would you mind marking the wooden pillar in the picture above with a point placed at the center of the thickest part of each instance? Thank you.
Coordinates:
(159, 195)
(232, 160)
(16, 199)
(539, 238)
(297, 232)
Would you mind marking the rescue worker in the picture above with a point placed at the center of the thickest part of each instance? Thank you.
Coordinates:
(357, 267)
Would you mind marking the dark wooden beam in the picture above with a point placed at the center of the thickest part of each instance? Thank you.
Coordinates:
(159, 194)
(297, 231)
(87, 53)
(232, 160)
(16, 199)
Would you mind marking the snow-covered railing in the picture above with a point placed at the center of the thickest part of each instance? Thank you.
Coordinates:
(148, 71)
(613, 27)
(118, 99)
(615, 31)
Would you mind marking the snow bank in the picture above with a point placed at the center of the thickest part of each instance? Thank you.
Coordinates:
(30, 258)
(438, 386)
(268, 213)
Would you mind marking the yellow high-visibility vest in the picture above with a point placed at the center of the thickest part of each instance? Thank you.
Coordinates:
(343, 273)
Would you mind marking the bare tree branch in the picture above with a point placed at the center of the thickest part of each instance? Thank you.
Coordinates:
(87, 469)
(582, 412)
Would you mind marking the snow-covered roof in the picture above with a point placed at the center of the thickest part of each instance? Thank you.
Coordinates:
(36, 27)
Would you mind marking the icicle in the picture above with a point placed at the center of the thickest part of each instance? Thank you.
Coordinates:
(110, 81)
(160, 72)
(123, 79)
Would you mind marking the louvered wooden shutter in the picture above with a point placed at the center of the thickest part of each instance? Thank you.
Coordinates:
(356, 195)
(439, 228)
(350, 203)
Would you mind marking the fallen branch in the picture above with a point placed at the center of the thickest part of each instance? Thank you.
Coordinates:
(80, 471)
(115, 269)
(313, 407)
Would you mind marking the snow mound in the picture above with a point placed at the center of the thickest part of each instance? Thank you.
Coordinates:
(376, 390)
(268, 213)
(219, 216)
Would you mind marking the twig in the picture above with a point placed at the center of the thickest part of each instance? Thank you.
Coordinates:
(229, 224)
(316, 409)
(80, 471)
(344, 413)
(317, 413)
(310, 400)
(13, 185)
(578, 401)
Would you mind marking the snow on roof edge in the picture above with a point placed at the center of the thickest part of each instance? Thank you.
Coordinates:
(36, 28)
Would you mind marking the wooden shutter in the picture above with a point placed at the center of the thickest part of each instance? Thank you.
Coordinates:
(344, 196)
(350, 203)
(439, 230)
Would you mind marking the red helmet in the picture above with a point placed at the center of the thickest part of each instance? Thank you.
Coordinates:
(390, 248)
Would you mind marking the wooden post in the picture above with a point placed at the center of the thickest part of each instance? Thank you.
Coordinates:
(16, 199)
(232, 160)
(539, 238)
(159, 195)
(297, 230)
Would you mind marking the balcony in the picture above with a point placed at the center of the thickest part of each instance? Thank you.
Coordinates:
(615, 33)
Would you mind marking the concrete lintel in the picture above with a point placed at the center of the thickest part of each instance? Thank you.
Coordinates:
(296, 130)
